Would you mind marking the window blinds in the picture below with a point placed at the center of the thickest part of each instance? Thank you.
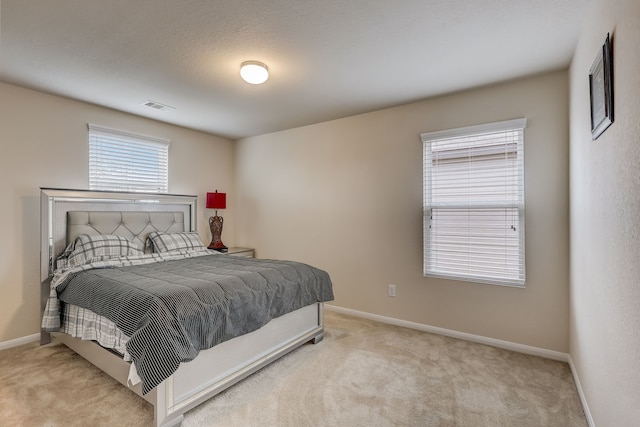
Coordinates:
(123, 161)
(474, 203)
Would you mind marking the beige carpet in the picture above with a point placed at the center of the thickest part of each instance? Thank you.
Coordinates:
(363, 374)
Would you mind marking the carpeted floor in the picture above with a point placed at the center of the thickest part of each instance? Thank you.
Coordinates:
(364, 373)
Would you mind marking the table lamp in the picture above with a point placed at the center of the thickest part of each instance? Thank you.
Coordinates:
(216, 201)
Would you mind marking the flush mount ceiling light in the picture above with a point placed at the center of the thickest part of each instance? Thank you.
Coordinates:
(254, 72)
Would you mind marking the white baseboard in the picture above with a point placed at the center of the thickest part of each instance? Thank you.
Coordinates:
(583, 399)
(19, 341)
(520, 348)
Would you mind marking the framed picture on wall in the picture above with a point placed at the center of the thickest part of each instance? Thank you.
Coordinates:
(601, 90)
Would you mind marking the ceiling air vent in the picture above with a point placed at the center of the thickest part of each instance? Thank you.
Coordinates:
(157, 106)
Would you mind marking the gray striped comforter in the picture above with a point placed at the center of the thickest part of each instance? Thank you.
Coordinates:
(173, 309)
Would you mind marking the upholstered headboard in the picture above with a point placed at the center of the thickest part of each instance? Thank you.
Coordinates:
(134, 226)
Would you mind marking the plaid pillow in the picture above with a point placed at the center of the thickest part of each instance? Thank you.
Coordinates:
(88, 248)
(166, 242)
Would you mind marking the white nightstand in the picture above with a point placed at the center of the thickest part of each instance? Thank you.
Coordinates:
(242, 252)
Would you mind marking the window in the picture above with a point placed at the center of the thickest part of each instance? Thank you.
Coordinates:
(123, 161)
(474, 203)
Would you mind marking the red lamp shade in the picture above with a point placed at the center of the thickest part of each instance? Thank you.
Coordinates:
(216, 200)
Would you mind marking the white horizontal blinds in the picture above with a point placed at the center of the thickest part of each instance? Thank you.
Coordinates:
(123, 161)
(474, 203)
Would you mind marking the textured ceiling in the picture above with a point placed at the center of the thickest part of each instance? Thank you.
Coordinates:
(328, 59)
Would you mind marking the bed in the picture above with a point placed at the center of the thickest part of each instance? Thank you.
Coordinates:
(224, 317)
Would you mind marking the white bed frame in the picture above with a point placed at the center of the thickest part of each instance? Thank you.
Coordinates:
(214, 369)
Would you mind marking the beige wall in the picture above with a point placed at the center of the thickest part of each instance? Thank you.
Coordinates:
(346, 196)
(605, 222)
(43, 143)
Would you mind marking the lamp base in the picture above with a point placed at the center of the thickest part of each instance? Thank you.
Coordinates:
(215, 223)
(218, 248)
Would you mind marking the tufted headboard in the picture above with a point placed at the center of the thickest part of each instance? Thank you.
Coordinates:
(134, 226)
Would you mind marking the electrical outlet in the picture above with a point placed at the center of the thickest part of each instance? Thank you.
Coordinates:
(391, 290)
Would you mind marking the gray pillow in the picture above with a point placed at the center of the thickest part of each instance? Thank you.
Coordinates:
(166, 242)
(87, 248)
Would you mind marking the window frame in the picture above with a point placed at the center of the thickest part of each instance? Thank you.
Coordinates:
(448, 205)
(126, 161)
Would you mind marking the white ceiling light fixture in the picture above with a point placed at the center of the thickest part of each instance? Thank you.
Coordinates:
(254, 72)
